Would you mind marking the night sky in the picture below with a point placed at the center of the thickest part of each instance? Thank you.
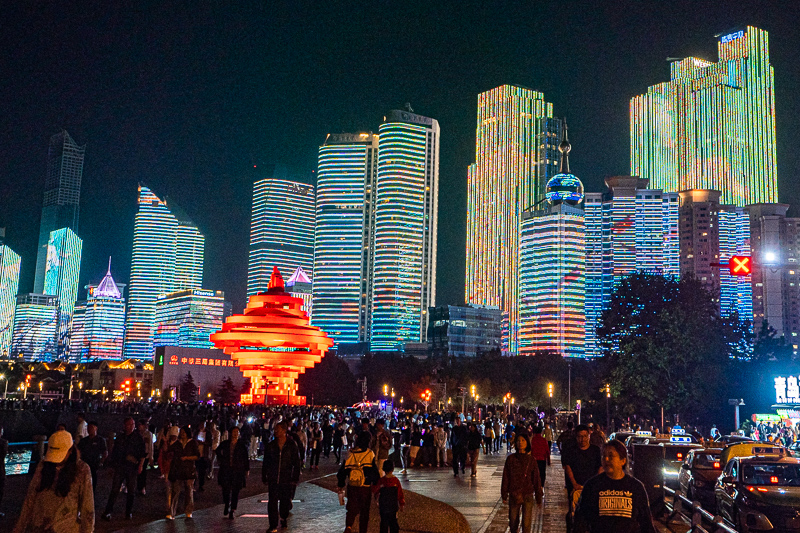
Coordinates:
(186, 97)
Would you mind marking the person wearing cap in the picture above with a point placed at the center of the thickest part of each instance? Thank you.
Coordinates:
(60, 497)
(127, 460)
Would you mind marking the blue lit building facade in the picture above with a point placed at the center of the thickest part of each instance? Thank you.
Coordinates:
(167, 256)
(404, 271)
(736, 292)
(99, 323)
(35, 320)
(9, 286)
(344, 236)
(281, 229)
(61, 280)
(187, 318)
(629, 228)
(464, 331)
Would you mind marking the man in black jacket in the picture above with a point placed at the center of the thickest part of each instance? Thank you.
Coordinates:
(281, 473)
(127, 460)
(458, 440)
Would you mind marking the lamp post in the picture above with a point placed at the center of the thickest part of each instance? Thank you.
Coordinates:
(608, 411)
(550, 393)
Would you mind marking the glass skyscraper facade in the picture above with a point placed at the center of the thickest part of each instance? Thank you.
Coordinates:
(406, 196)
(62, 193)
(344, 236)
(187, 318)
(167, 256)
(629, 228)
(9, 286)
(35, 320)
(712, 126)
(512, 150)
(99, 323)
(61, 280)
(552, 281)
(281, 229)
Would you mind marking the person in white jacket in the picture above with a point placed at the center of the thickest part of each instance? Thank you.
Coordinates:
(440, 441)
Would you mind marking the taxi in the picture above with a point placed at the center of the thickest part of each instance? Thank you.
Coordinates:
(698, 476)
(760, 493)
(747, 449)
(675, 452)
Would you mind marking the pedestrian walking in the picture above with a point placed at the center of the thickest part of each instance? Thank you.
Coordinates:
(474, 442)
(521, 484)
(613, 500)
(234, 467)
(440, 441)
(548, 435)
(339, 438)
(165, 454)
(389, 494)
(127, 459)
(60, 497)
(281, 473)
(581, 462)
(315, 445)
(458, 442)
(93, 450)
(182, 472)
(147, 437)
(381, 443)
(358, 473)
(540, 449)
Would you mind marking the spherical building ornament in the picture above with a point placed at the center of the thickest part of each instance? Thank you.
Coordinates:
(566, 188)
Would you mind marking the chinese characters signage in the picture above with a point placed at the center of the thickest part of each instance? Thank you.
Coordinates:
(787, 390)
(175, 360)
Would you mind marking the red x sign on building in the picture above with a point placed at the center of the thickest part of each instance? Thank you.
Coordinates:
(740, 265)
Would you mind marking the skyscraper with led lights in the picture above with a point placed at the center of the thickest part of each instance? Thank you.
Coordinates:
(9, 285)
(406, 204)
(35, 321)
(99, 323)
(344, 236)
(187, 318)
(712, 126)
(281, 228)
(61, 280)
(167, 256)
(514, 142)
(62, 194)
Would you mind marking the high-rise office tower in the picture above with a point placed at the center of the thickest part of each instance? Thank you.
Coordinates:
(629, 228)
(187, 318)
(406, 203)
(513, 143)
(165, 259)
(712, 126)
(699, 233)
(552, 269)
(9, 285)
(736, 292)
(99, 323)
(62, 193)
(344, 236)
(61, 280)
(281, 228)
(299, 285)
(775, 249)
(35, 320)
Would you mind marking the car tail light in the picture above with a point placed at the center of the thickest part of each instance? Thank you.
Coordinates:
(773, 479)
(716, 464)
(680, 456)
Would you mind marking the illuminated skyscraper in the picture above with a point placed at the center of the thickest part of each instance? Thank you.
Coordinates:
(62, 193)
(281, 229)
(61, 280)
(630, 228)
(552, 269)
(345, 233)
(99, 323)
(299, 285)
(9, 285)
(406, 203)
(712, 126)
(187, 318)
(34, 335)
(511, 164)
(736, 292)
(167, 256)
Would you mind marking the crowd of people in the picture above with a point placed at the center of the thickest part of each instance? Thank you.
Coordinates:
(193, 444)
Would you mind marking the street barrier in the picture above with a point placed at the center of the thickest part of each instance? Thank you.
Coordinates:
(696, 515)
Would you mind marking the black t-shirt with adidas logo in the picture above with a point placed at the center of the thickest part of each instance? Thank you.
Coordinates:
(613, 505)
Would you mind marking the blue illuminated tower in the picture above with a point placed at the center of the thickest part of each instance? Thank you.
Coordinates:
(167, 256)
(404, 271)
(344, 236)
(9, 285)
(281, 229)
(187, 318)
(552, 269)
(35, 320)
(61, 280)
(99, 323)
(62, 193)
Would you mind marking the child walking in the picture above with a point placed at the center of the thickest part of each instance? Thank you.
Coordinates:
(390, 498)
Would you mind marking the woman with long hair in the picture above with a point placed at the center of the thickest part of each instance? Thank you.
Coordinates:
(182, 472)
(60, 497)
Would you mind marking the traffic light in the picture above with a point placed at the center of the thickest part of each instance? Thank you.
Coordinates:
(740, 265)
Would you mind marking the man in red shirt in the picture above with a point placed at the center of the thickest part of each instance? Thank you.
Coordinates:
(540, 450)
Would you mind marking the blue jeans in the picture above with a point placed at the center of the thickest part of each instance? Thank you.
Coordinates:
(523, 503)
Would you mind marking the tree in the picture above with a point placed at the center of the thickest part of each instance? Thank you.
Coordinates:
(329, 382)
(188, 389)
(768, 347)
(227, 393)
(666, 345)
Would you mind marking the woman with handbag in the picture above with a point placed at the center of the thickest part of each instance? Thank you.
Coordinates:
(521, 484)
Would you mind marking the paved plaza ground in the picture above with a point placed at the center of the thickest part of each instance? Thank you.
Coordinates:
(437, 502)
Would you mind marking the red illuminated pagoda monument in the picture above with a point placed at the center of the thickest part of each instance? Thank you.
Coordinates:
(272, 343)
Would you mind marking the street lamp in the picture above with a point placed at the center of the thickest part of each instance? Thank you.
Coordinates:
(550, 393)
(608, 411)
